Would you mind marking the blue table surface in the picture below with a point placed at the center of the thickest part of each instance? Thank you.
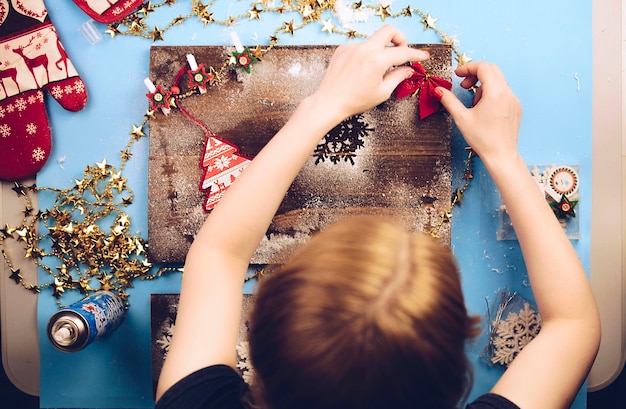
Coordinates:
(543, 47)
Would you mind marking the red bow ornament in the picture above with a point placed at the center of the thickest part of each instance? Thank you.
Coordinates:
(425, 84)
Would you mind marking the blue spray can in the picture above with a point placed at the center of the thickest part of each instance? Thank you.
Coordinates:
(73, 328)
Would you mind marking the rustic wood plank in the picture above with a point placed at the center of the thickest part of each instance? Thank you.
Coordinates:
(402, 170)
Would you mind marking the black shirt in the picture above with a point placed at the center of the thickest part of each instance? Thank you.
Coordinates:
(221, 387)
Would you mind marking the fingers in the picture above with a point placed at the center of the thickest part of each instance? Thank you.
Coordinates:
(394, 77)
(488, 78)
(362, 75)
(395, 56)
(477, 96)
(400, 53)
(469, 81)
(486, 73)
(451, 103)
(392, 59)
(388, 34)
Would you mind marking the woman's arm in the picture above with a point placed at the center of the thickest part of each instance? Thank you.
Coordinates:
(359, 77)
(550, 370)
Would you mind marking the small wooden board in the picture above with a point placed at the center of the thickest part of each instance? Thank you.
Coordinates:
(403, 168)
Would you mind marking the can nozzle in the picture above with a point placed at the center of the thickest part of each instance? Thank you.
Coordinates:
(62, 335)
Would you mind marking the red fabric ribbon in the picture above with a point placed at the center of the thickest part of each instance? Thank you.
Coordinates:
(425, 84)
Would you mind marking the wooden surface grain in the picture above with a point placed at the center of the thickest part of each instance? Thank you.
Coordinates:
(402, 169)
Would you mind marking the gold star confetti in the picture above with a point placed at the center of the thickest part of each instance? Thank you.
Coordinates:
(307, 12)
(257, 52)
(289, 27)
(137, 132)
(208, 19)
(328, 26)
(429, 22)
(254, 13)
(215, 76)
(105, 282)
(112, 30)
(200, 9)
(58, 289)
(156, 34)
(102, 165)
(16, 276)
(145, 9)
(462, 59)
(135, 28)
(150, 114)
(383, 12)
(23, 233)
(19, 189)
(457, 197)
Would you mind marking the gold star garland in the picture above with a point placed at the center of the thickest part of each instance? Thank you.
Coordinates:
(91, 255)
(309, 11)
(457, 195)
(88, 234)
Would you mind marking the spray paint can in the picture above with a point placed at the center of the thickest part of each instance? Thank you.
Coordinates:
(73, 328)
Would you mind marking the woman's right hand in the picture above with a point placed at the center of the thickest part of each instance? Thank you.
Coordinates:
(362, 75)
(491, 125)
(548, 372)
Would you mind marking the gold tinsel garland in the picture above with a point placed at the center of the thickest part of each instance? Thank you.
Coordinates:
(88, 232)
(308, 11)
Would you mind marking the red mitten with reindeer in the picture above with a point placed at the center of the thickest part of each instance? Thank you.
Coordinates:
(32, 60)
(108, 11)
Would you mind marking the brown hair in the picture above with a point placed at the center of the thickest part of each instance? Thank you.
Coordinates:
(366, 315)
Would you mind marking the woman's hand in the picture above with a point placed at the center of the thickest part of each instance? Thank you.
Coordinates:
(491, 126)
(557, 277)
(362, 75)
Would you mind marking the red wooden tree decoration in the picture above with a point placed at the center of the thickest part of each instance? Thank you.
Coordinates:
(221, 164)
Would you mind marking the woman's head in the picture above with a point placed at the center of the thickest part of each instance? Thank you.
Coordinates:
(365, 315)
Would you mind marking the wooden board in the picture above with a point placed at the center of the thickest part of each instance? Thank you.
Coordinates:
(163, 310)
(402, 169)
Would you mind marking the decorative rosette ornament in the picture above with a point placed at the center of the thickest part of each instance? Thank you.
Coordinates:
(564, 208)
(244, 59)
(561, 185)
(199, 77)
(159, 98)
(424, 84)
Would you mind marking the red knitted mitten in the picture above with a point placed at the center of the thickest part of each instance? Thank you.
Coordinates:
(32, 59)
(108, 11)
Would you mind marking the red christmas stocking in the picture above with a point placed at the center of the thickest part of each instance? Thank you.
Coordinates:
(108, 11)
(32, 59)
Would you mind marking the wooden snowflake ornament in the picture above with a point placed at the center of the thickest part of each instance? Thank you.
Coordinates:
(513, 324)
(514, 333)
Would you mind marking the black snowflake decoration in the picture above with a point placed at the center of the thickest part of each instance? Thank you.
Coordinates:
(342, 142)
